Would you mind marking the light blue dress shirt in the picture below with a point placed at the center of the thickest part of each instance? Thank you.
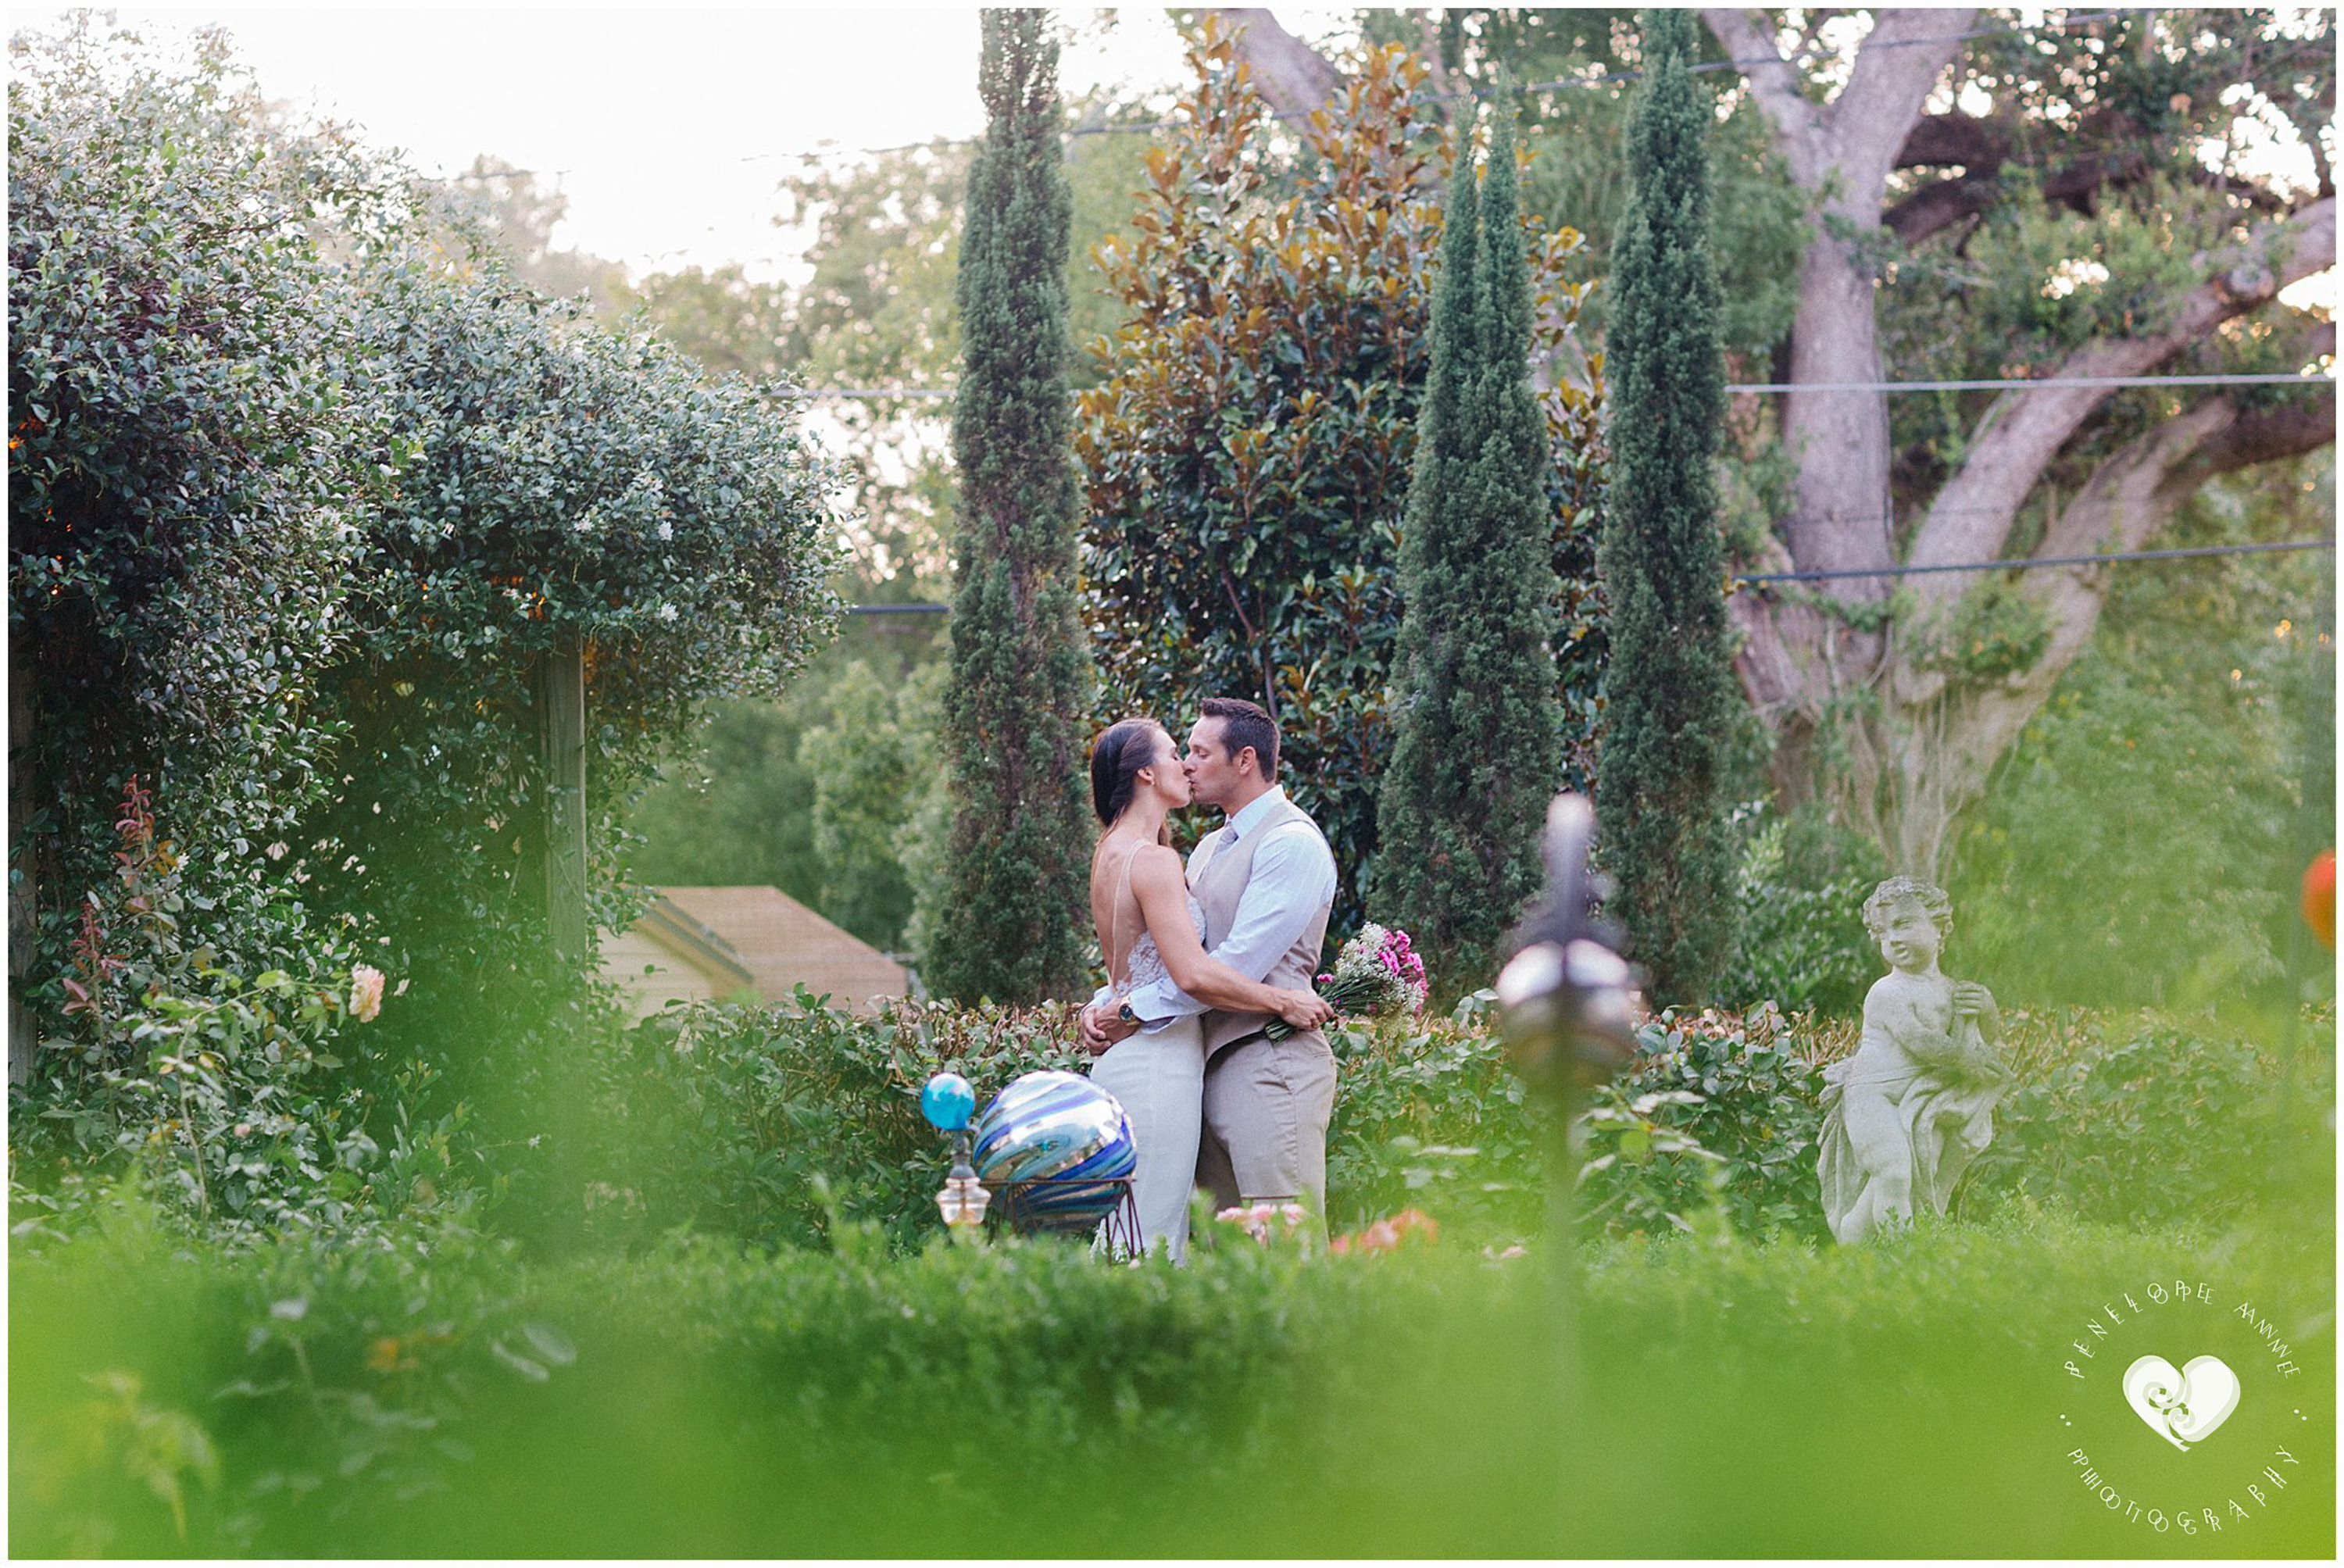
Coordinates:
(1293, 875)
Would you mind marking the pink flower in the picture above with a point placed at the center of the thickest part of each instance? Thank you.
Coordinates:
(365, 992)
(1385, 1235)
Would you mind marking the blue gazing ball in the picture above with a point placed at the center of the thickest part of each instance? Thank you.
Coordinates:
(947, 1101)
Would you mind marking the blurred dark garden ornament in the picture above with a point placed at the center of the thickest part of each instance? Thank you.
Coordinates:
(1565, 992)
(1565, 1001)
(1904, 1115)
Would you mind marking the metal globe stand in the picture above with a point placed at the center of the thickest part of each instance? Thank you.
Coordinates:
(1026, 1207)
(946, 1101)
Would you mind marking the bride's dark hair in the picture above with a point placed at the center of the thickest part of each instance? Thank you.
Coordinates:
(1117, 757)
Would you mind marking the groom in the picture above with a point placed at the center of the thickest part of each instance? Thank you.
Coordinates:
(1267, 883)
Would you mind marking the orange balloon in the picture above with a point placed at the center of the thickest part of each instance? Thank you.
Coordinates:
(2319, 896)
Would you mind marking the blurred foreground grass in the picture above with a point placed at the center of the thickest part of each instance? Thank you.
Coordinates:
(434, 1395)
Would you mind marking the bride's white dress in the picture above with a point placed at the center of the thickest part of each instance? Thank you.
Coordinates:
(1160, 1078)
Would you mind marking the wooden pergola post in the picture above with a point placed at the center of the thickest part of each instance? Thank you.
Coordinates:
(562, 692)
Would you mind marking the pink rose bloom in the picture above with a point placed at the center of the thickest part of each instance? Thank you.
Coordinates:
(365, 992)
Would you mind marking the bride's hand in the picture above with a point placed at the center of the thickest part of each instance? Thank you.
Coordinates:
(1303, 1009)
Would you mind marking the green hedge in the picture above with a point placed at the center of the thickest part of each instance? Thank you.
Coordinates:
(431, 1394)
(762, 1123)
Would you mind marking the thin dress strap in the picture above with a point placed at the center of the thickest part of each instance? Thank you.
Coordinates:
(1115, 924)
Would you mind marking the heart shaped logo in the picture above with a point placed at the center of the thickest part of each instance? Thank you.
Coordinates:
(2182, 1407)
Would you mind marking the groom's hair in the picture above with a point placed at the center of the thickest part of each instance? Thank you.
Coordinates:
(1244, 724)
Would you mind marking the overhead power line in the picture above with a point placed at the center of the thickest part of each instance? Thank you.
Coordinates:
(2028, 563)
(2259, 379)
(1478, 95)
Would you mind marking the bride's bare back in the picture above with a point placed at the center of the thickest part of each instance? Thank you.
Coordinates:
(1117, 916)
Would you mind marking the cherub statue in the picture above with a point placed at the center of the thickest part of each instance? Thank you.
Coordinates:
(1907, 1112)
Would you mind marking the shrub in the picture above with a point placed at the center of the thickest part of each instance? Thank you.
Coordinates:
(1801, 942)
(217, 1086)
(1714, 1110)
(2126, 1118)
(432, 1393)
(776, 1125)
(189, 441)
(2147, 1120)
(1430, 1116)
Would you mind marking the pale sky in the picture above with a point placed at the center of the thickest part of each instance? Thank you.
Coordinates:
(667, 129)
(670, 127)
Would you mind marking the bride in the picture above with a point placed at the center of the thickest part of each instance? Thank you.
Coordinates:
(1139, 895)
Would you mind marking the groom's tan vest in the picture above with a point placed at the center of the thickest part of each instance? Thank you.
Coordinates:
(1219, 883)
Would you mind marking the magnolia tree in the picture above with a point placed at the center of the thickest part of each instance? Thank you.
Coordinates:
(2118, 196)
(1249, 448)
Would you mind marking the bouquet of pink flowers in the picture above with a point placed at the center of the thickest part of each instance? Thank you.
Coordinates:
(1377, 973)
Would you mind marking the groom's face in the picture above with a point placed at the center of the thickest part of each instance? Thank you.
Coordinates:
(1212, 775)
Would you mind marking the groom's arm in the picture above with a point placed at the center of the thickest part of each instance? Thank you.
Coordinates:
(1293, 876)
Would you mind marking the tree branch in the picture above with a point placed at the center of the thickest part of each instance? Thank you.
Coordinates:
(1774, 87)
(2023, 431)
(2260, 437)
(1291, 76)
(2127, 501)
(1979, 146)
(1940, 205)
(1886, 89)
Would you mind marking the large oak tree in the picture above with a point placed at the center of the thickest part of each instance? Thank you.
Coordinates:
(2121, 196)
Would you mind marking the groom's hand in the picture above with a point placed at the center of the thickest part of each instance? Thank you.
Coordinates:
(1102, 1028)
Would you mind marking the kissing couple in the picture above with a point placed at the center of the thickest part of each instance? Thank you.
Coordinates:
(1199, 962)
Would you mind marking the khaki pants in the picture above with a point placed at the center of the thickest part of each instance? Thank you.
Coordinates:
(1267, 1104)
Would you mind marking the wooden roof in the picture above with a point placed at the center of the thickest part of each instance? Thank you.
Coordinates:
(780, 944)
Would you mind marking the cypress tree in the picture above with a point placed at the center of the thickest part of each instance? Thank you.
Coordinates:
(1477, 746)
(1008, 914)
(1659, 794)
